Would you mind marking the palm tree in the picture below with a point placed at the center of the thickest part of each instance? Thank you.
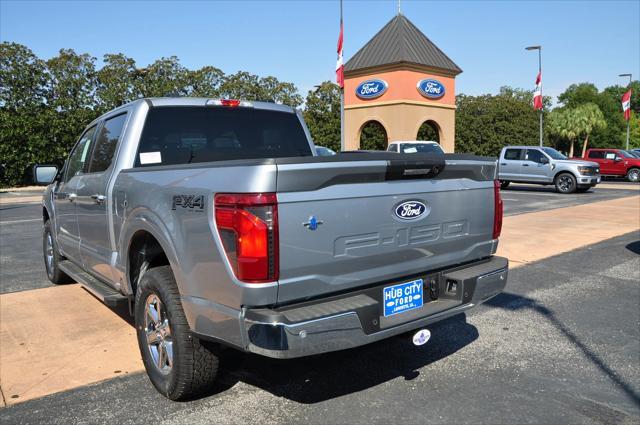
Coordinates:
(571, 123)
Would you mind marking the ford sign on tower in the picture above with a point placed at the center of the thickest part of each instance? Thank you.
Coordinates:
(370, 89)
(433, 89)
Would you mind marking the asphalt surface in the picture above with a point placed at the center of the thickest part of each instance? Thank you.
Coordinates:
(562, 345)
(22, 265)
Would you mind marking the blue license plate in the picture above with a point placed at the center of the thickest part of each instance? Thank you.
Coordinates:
(402, 297)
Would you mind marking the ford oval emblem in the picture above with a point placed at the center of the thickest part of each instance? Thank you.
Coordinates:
(410, 210)
(370, 89)
(433, 89)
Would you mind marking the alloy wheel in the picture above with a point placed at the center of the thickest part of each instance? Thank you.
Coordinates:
(158, 332)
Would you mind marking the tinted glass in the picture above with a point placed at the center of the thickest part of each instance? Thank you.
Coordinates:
(393, 148)
(79, 156)
(513, 154)
(421, 147)
(626, 154)
(182, 135)
(596, 154)
(534, 155)
(554, 154)
(106, 143)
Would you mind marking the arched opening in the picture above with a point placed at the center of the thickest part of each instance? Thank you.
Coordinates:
(373, 136)
(429, 131)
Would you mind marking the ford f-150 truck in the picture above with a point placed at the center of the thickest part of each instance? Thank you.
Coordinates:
(615, 162)
(220, 226)
(546, 166)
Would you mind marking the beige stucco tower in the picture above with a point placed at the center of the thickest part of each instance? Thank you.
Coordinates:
(401, 80)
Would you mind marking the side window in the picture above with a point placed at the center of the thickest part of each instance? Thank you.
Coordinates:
(596, 154)
(80, 154)
(393, 148)
(610, 155)
(513, 154)
(534, 155)
(106, 143)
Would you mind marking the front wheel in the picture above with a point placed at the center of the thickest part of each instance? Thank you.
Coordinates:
(565, 183)
(633, 175)
(178, 365)
(52, 257)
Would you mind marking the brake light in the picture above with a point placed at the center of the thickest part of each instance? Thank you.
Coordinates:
(498, 210)
(232, 103)
(248, 228)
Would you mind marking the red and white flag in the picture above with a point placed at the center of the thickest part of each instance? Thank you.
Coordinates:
(339, 64)
(537, 93)
(626, 105)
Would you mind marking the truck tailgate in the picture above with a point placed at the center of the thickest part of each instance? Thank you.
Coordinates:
(339, 228)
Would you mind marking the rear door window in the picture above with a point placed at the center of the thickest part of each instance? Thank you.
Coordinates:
(513, 154)
(182, 135)
(106, 143)
(596, 154)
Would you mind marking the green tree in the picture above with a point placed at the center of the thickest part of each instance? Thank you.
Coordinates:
(23, 77)
(205, 82)
(573, 123)
(373, 137)
(322, 115)
(164, 77)
(117, 82)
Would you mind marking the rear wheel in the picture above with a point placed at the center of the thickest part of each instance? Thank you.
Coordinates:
(633, 175)
(504, 184)
(178, 365)
(565, 183)
(52, 257)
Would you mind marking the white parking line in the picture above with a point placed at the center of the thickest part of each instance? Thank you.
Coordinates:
(29, 220)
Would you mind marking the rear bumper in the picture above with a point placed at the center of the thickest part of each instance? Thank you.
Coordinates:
(356, 319)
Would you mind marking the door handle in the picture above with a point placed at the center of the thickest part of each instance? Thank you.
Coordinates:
(72, 197)
(525, 165)
(503, 163)
(98, 199)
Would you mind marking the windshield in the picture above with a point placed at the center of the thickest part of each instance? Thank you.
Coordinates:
(421, 147)
(554, 154)
(627, 154)
(175, 135)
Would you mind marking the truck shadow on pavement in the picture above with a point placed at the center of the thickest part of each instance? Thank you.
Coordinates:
(517, 302)
(326, 376)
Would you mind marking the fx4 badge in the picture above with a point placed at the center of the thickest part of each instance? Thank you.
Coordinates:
(188, 202)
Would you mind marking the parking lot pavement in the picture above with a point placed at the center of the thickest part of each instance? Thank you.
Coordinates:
(525, 198)
(560, 346)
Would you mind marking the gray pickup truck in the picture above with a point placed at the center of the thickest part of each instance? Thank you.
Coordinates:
(546, 166)
(219, 226)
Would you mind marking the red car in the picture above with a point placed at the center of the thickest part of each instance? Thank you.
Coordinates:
(615, 162)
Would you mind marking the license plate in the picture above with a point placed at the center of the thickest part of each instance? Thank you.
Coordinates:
(402, 297)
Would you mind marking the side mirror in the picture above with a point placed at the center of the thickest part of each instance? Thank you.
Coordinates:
(544, 160)
(44, 174)
(617, 159)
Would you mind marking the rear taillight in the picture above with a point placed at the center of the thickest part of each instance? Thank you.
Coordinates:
(248, 228)
(497, 210)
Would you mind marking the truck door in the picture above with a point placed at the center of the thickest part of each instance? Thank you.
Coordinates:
(609, 164)
(533, 169)
(65, 197)
(93, 202)
(511, 164)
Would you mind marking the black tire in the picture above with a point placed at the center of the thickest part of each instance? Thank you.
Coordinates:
(504, 184)
(633, 175)
(52, 257)
(565, 183)
(193, 367)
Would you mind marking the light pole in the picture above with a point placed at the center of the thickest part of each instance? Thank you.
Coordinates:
(539, 49)
(628, 121)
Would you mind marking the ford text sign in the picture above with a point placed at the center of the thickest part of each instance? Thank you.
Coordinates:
(433, 89)
(370, 89)
(410, 210)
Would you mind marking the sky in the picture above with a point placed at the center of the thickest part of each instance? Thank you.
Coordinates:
(295, 41)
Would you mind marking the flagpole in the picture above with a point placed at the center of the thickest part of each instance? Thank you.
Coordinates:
(629, 120)
(342, 146)
(542, 98)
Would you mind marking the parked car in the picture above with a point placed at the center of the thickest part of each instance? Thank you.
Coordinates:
(218, 226)
(546, 166)
(322, 151)
(415, 146)
(615, 162)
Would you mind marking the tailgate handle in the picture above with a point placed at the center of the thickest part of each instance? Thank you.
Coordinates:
(425, 169)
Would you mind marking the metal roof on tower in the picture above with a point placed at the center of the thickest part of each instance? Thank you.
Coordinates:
(400, 41)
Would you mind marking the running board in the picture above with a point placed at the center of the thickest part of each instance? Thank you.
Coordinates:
(100, 290)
